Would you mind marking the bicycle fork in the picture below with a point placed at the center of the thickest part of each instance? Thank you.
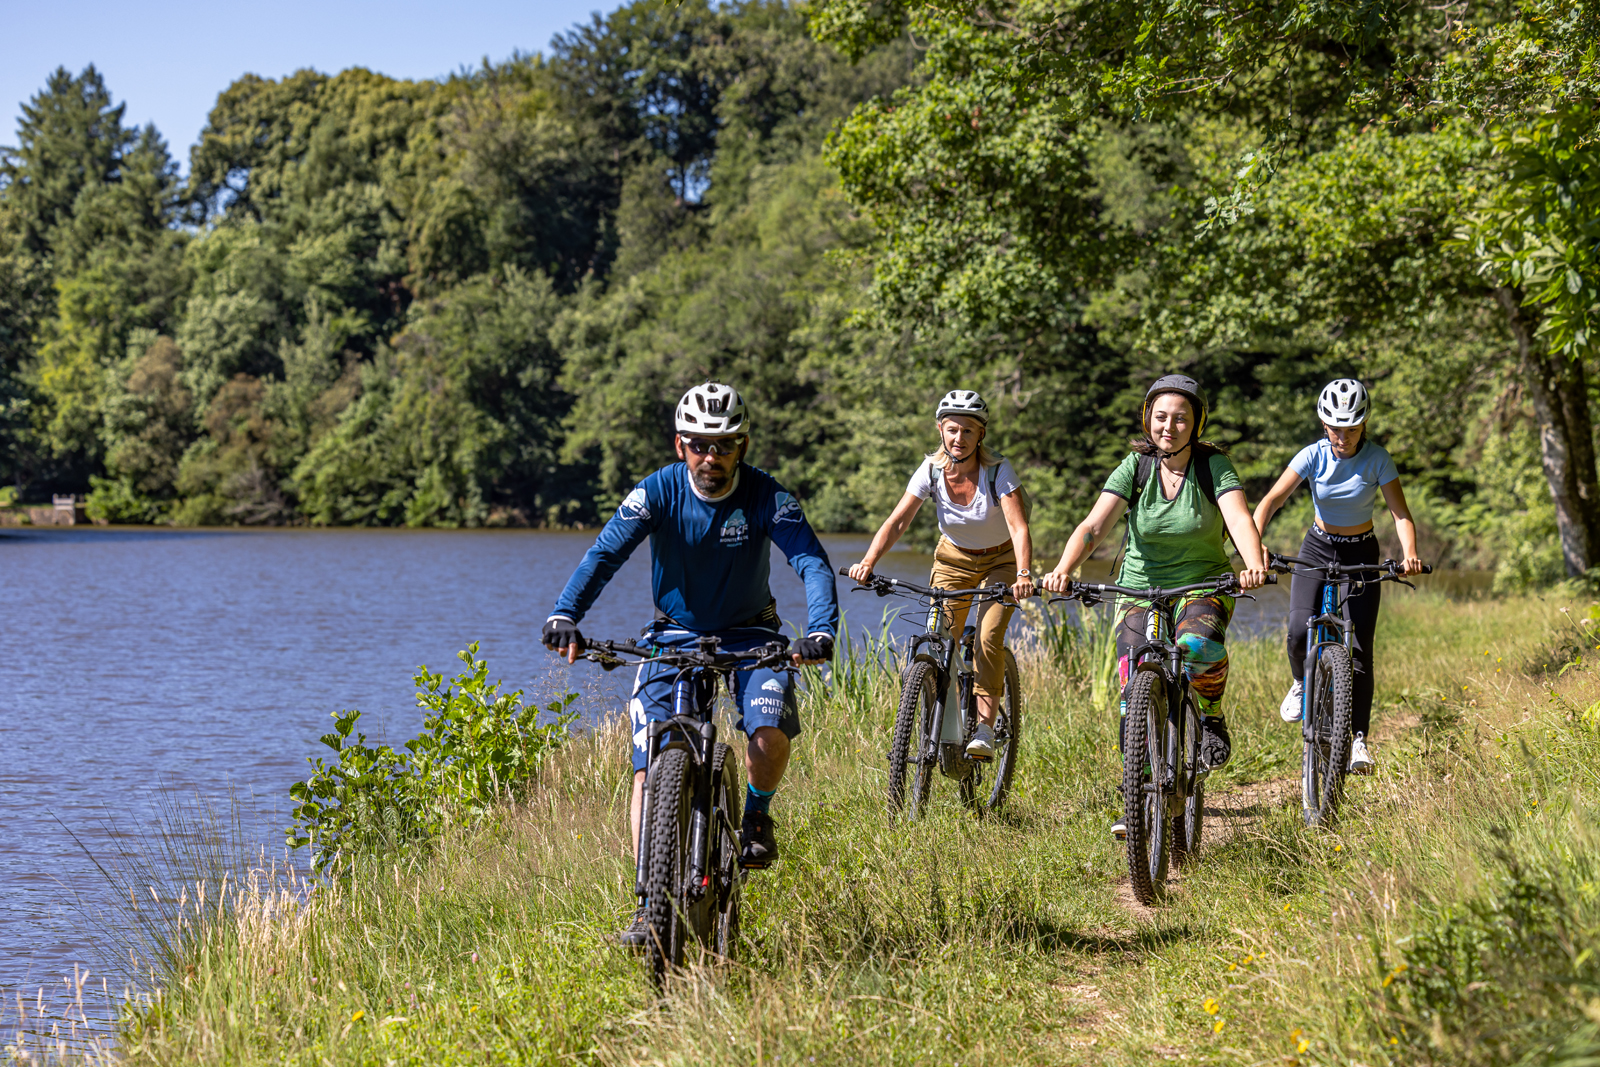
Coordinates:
(685, 711)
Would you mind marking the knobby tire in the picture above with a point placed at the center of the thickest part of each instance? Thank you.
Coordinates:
(1008, 734)
(726, 877)
(919, 705)
(916, 686)
(1188, 826)
(1145, 813)
(672, 797)
(1327, 750)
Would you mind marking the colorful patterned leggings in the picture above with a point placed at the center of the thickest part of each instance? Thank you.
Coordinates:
(1202, 627)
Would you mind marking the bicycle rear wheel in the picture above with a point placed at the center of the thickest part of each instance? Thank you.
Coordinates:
(671, 806)
(727, 879)
(1007, 734)
(1327, 745)
(1189, 825)
(1144, 776)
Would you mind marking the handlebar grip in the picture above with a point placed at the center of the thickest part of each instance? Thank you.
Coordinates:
(1427, 568)
(844, 572)
(1272, 578)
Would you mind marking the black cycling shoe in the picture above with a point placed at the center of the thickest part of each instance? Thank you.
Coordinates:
(758, 845)
(1215, 745)
(637, 935)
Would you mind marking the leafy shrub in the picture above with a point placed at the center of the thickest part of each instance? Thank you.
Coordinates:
(1507, 975)
(479, 747)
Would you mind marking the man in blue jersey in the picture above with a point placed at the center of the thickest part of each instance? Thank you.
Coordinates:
(710, 520)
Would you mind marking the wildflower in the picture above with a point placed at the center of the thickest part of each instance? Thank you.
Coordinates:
(1211, 1006)
(1338, 848)
(1287, 907)
(1216, 1027)
(1394, 1041)
(358, 1016)
(1303, 1045)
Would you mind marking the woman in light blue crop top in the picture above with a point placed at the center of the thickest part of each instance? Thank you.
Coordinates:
(1346, 472)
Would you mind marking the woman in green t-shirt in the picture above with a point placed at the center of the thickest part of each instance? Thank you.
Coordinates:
(1175, 537)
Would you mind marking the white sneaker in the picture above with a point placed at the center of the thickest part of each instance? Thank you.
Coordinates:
(981, 747)
(1290, 709)
(1360, 758)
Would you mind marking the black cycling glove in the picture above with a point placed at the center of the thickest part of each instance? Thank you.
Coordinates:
(559, 633)
(819, 646)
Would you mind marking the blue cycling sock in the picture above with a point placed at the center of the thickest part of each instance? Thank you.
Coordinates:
(757, 800)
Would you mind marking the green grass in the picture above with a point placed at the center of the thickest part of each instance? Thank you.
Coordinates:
(1010, 940)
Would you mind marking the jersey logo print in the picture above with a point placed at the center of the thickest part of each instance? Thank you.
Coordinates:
(736, 530)
(772, 685)
(786, 509)
(635, 505)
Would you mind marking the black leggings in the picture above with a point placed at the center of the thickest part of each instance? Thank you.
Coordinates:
(1305, 600)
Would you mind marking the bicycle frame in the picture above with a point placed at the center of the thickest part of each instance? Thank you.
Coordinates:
(1161, 654)
(956, 679)
(694, 694)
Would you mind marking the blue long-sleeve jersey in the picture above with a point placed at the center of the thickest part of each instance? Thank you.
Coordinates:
(710, 561)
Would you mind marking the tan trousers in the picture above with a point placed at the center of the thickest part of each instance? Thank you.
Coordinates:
(956, 568)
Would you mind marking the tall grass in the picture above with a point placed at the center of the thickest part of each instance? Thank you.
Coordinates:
(1446, 921)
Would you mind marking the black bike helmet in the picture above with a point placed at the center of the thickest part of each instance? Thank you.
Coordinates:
(1183, 385)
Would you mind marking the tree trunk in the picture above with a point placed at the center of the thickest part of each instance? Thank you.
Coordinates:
(1560, 396)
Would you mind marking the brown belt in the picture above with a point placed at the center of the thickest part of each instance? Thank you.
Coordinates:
(981, 551)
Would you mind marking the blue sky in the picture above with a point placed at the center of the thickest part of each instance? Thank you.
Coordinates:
(169, 61)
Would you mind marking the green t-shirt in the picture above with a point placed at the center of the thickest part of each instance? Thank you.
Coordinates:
(1178, 541)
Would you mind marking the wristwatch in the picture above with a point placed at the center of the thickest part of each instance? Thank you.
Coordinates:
(1024, 574)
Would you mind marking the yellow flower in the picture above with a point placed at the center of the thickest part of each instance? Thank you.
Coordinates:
(1211, 1006)
(1216, 1027)
(1394, 1041)
(358, 1016)
(1248, 960)
(1338, 848)
(1294, 1035)
(1286, 907)
(1302, 1046)
(1233, 966)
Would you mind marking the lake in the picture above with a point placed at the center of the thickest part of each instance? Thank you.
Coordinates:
(204, 664)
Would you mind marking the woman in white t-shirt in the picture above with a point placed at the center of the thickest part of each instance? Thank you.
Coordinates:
(983, 538)
(1346, 472)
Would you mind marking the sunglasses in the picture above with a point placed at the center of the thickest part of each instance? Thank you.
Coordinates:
(716, 446)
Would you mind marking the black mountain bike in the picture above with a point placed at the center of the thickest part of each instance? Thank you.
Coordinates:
(1163, 780)
(938, 709)
(1328, 693)
(688, 877)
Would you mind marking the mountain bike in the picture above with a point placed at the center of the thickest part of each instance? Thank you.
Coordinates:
(938, 709)
(1163, 779)
(1327, 695)
(687, 877)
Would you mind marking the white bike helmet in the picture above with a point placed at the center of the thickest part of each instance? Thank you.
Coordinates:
(1343, 403)
(712, 409)
(963, 402)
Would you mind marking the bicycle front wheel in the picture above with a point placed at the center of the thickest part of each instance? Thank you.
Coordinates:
(671, 808)
(1145, 774)
(910, 773)
(1327, 736)
(1007, 734)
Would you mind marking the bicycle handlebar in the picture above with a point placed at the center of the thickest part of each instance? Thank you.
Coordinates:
(608, 654)
(1227, 584)
(1388, 569)
(884, 586)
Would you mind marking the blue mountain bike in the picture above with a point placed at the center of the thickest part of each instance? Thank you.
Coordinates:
(1327, 697)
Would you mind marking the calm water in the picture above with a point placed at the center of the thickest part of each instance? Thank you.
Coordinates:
(206, 664)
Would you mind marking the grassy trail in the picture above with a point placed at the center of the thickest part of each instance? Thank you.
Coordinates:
(1010, 940)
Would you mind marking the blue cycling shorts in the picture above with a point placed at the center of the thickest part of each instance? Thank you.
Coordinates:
(764, 697)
